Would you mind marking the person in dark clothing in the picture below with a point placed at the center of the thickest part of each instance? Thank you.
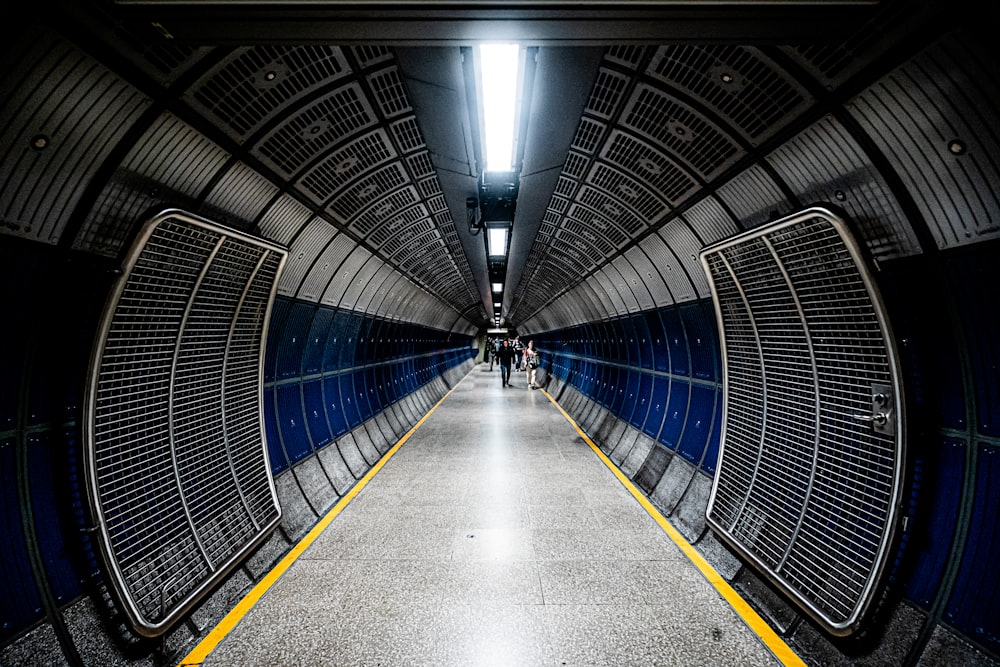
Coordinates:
(505, 355)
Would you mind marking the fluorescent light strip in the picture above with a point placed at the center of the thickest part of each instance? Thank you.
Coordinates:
(498, 72)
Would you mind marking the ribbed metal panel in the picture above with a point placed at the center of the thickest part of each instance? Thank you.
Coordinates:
(630, 281)
(812, 457)
(588, 135)
(740, 83)
(194, 163)
(754, 197)
(710, 221)
(283, 220)
(674, 276)
(407, 133)
(371, 298)
(177, 469)
(813, 164)
(932, 118)
(324, 267)
(360, 282)
(302, 254)
(254, 84)
(679, 238)
(240, 195)
(342, 281)
(651, 296)
(62, 114)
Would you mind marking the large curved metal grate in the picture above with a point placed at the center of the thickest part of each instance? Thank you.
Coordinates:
(812, 458)
(178, 474)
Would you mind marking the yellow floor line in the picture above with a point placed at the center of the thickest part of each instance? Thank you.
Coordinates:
(758, 625)
(200, 652)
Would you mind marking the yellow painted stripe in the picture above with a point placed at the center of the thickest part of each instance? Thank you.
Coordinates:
(212, 639)
(758, 625)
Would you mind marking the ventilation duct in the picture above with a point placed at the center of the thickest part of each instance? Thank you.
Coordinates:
(811, 464)
(177, 470)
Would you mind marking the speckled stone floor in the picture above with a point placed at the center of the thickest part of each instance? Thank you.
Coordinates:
(493, 536)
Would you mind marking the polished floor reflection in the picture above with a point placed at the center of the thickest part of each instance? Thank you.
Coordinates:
(495, 535)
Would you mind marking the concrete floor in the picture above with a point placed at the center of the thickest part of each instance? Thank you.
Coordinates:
(494, 535)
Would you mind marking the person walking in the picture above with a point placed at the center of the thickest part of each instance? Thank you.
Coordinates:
(505, 355)
(518, 352)
(531, 360)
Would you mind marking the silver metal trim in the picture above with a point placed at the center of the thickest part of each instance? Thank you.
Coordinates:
(121, 586)
(892, 407)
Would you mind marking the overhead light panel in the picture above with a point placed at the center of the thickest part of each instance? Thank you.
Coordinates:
(499, 91)
(497, 287)
(496, 239)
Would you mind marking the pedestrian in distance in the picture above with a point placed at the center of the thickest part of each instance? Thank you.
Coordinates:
(505, 355)
(531, 361)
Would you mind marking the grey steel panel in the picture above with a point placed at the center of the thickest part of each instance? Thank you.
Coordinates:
(589, 135)
(710, 221)
(62, 114)
(360, 282)
(345, 165)
(654, 292)
(390, 94)
(812, 460)
(754, 197)
(625, 55)
(178, 159)
(607, 93)
(374, 197)
(177, 470)
(673, 274)
(813, 165)
(372, 295)
(302, 254)
(408, 135)
(650, 165)
(679, 238)
(283, 220)
(606, 292)
(255, 84)
(324, 267)
(635, 201)
(641, 298)
(622, 285)
(935, 119)
(239, 196)
(693, 140)
(739, 83)
(347, 272)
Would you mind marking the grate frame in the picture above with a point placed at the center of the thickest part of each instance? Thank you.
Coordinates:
(178, 477)
(809, 484)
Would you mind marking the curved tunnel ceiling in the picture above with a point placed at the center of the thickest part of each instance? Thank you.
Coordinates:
(345, 134)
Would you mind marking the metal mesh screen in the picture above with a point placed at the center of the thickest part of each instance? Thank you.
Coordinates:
(811, 463)
(178, 474)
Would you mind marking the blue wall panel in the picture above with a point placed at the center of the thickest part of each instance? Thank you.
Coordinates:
(47, 496)
(291, 422)
(275, 452)
(314, 349)
(292, 341)
(974, 606)
(334, 406)
(20, 604)
(676, 413)
(937, 490)
(657, 406)
(698, 424)
(348, 400)
(312, 399)
(643, 393)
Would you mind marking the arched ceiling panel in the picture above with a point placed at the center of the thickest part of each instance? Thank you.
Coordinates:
(636, 283)
(654, 292)
(754, 197)
(825, 164)
(302, 254)
(283, 220)
(325, 267)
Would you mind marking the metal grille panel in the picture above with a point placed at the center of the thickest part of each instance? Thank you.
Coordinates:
(177, 470)
(811, 463)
